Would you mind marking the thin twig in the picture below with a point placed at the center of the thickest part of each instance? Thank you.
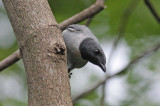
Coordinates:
(151, 8)
(89, 12)
(136, 59)
(89, 20)
(10, 60)
(121, 72)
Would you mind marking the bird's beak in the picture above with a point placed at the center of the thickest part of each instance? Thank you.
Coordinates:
(103, 67)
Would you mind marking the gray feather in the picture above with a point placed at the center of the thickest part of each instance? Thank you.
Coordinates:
(73, 36)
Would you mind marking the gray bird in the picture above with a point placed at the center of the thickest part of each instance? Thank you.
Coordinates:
(82, 46)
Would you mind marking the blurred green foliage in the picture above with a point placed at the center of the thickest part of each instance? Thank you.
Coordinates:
(92, 100)
(12, 102)
(142, 32)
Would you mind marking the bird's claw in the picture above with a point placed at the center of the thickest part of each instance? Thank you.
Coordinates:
(70, 75)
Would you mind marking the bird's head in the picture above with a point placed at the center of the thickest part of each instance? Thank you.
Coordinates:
(92, 51)
(81, 38)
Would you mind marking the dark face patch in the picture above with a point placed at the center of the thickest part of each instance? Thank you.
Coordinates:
(92, 51)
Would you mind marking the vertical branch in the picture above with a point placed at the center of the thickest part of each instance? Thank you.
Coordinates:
(42, 50)
(123, 24)
(102, 102)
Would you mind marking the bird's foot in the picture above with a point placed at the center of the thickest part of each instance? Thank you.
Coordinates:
(70, 75)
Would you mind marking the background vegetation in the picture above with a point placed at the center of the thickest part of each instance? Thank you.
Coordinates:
(139, 31)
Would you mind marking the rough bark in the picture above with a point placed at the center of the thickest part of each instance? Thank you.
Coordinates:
(42, 50)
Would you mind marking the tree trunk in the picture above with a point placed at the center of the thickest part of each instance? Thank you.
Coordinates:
(43, 52)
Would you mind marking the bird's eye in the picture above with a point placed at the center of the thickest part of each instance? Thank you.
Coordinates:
(96, 51)
(71, 29)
